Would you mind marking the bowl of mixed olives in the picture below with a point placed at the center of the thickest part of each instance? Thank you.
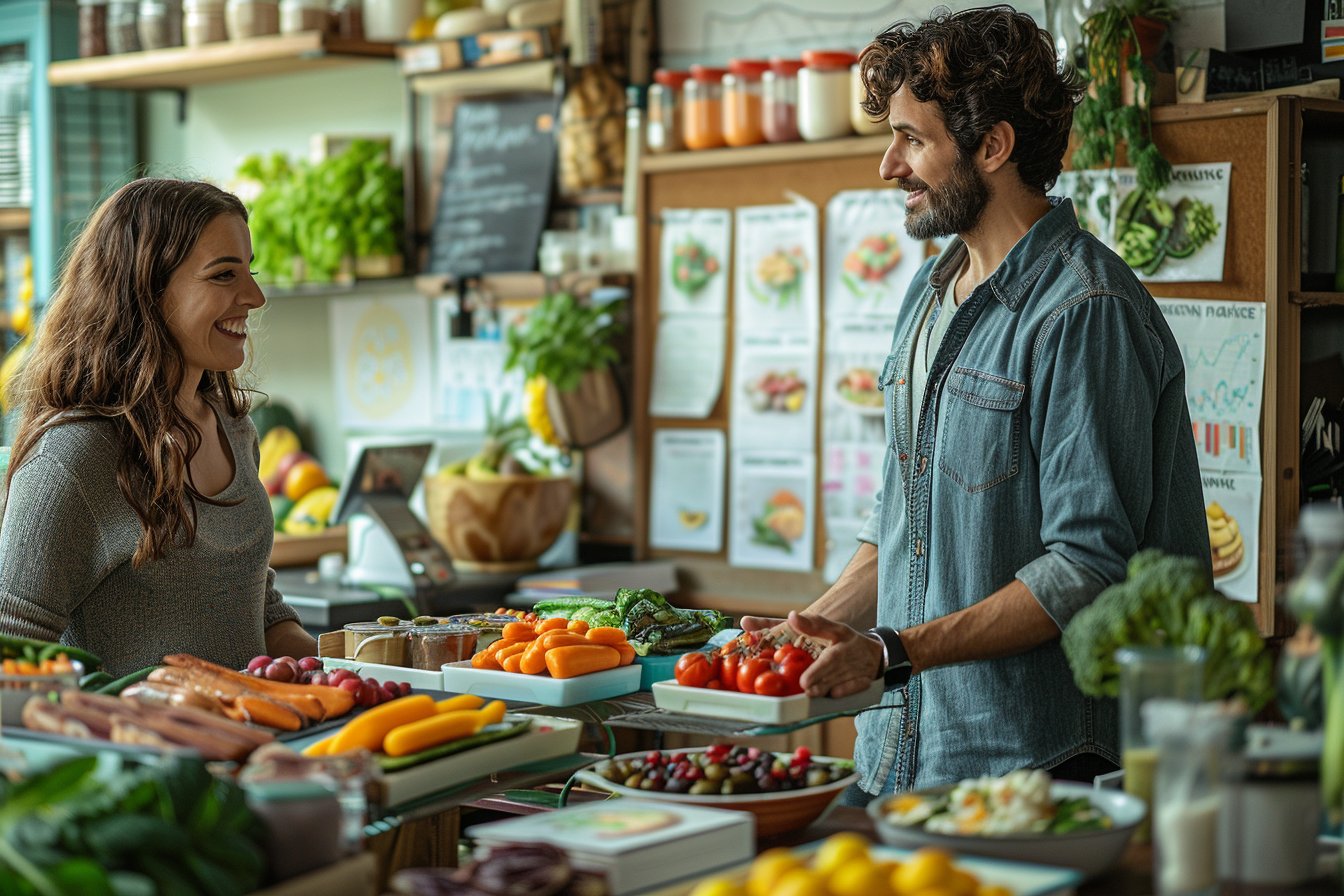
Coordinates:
(785, 791)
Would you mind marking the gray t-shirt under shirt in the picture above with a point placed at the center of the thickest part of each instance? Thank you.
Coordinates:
(931, 333)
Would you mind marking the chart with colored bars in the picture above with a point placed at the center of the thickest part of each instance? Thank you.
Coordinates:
(1223, 346)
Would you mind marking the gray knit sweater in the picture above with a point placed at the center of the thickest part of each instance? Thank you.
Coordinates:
(65, 559)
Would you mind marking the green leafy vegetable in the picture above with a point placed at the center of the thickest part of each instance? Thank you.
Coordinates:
(1169, 600)
(562, 339)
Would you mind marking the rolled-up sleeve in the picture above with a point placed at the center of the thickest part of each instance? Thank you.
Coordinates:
(1094, 395)
(276, 608)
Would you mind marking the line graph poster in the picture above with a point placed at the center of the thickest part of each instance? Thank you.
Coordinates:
(1223, 346)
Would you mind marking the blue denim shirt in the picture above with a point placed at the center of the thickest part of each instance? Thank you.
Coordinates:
(1052, 444)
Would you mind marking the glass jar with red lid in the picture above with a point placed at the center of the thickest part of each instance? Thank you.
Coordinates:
(702, 108)
(779, 95)
(742, 102)
(662, 130)
(823, 94)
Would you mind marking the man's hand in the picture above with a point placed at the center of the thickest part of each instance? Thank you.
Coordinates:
(849, 663)
(773, 627)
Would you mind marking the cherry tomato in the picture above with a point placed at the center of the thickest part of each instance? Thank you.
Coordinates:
(694, 670)
(771, 684)
(747, 672)
(792, 669)
(784, 651)
(728, 672)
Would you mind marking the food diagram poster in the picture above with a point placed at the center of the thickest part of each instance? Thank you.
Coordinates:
(1176, 235)
(774, 397)
(687, 494)
(693, 271)
(689, 349)
(1223, 346)
(468, 375)
(769, 515)
(775, 283)
(870, 259)
(380, 357)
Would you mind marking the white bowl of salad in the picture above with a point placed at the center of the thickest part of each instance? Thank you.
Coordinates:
(1023, 816)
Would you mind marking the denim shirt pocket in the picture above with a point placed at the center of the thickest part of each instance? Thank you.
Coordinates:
(982, 429)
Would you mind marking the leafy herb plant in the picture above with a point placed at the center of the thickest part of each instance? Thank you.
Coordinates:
(1103, 120)
(562, 339)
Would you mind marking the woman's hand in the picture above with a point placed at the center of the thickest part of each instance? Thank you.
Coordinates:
(848, 664)
(288, 638)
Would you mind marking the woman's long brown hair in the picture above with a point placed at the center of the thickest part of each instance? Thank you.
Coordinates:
(103, 350)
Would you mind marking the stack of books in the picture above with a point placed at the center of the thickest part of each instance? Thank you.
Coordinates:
(598, 580)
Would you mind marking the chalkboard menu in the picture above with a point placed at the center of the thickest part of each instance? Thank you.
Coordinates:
(496, 186)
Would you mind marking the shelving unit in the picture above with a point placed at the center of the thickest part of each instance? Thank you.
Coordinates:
(179, 68)
(15, 219)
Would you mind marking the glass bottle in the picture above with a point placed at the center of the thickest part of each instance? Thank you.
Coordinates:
(779, 101)
(742, 102)
(823, 94)
(662, 131)
(702, 108)
(92, 28)
(858, 119)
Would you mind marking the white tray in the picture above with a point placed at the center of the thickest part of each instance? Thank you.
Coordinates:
(547, 738)
(755, 708)
(461, 678)
(431, 679)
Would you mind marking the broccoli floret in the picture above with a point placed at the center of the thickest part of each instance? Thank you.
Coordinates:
(1169, 600)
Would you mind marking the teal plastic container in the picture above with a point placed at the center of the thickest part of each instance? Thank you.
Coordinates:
(656, 668)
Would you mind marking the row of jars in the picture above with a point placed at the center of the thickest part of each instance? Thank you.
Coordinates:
(127, 26)
(758, 101)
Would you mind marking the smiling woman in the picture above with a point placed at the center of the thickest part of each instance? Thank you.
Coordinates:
(136, 524)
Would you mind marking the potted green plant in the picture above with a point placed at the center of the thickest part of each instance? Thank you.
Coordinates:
(1119, 41)
(565, 349)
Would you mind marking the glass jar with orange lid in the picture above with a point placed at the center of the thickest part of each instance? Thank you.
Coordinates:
(858, 119)
(742, 102)
(823, 94)
(662, 129)
(779, 101)
(702, 108)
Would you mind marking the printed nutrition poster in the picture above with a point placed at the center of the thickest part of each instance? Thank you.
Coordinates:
(870, 259)
(1223, 346)
(686, 502)
(380, 362)
(1179, 234)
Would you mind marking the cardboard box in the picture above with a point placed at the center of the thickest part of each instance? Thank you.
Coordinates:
(489, 48)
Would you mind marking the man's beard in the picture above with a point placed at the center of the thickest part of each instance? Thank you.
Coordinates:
(952, 207)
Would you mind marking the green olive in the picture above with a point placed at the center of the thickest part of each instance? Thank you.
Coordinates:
(424, 620)
(388, 620)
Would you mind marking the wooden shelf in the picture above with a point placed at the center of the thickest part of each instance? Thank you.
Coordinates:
(178, 68)
(767, 153)
(1317, 299)
(15, 219)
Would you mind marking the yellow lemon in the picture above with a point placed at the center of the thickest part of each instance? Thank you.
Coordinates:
(860, 877)
(800, 882)
(838, 850)
(21, 319)
(925, 869)
(963, 882)
(768, 868)
(718, 886)
(994, 890)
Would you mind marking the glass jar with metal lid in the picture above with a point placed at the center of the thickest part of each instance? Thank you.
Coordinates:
(823, 94)
(702, 108)
(662, 129)
(779, 101)
(742, 102)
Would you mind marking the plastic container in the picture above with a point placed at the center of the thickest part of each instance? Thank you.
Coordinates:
(742, 102)
(246, 19)
(298, 816)
(432, 646)
(823, 94)
(858, 119)
(203, 22)
(122, 36)
(303, 15)
(159, 24)
(779, 101)
(662, 130)
(92, 28)
(702, 108)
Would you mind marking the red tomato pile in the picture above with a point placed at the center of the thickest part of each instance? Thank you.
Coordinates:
(746, 666)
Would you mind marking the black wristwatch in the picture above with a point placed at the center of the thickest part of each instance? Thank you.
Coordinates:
(896, 662)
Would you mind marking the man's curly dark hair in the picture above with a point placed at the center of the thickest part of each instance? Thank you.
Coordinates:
(980, 66)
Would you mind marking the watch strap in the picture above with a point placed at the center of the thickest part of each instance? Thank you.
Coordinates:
(897, 661)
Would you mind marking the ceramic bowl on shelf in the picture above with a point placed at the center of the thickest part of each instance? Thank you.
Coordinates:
(776, 812)
(1090, 851)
